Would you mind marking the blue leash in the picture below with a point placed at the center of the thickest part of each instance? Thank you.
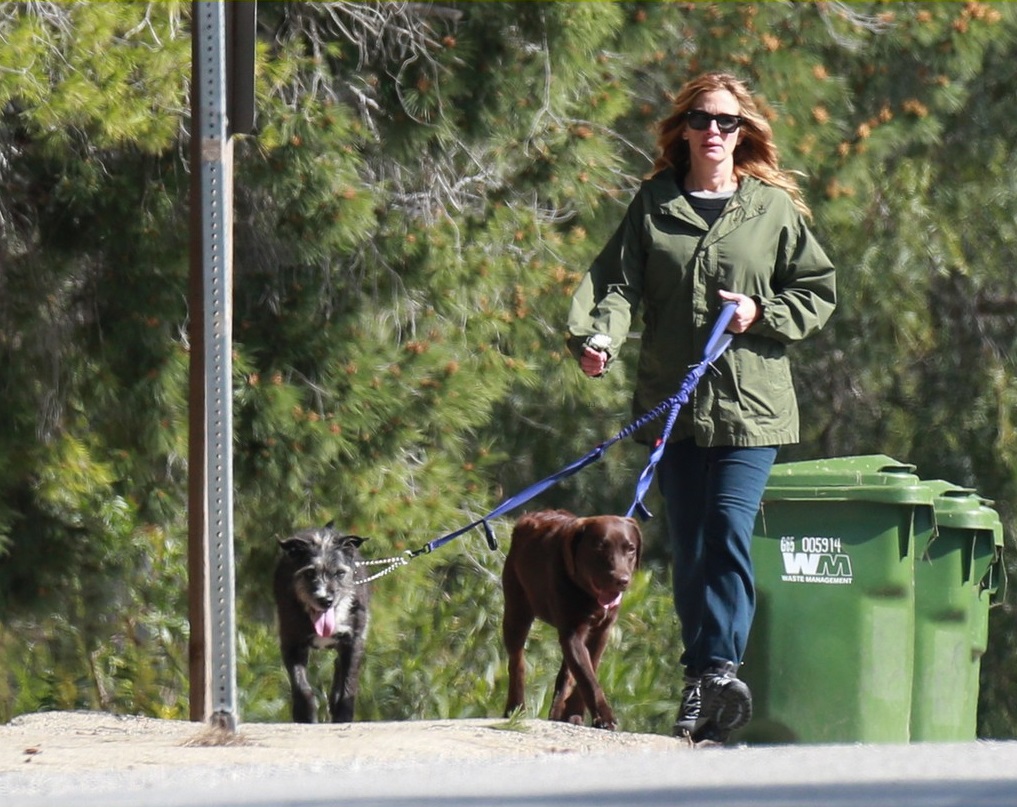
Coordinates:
(715, 346)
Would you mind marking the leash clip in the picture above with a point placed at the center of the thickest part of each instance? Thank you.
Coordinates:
(492, 541)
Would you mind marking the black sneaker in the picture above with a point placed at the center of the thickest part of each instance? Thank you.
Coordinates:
(726, 704)
(688, 711)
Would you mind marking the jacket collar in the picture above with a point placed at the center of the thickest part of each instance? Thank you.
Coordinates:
(667, 198)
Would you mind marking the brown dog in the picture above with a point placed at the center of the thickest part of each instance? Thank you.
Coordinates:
(570, 573)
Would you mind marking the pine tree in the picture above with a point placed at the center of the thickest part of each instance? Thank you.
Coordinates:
(425, 188)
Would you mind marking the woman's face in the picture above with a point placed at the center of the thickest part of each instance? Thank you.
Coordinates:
(711, 147)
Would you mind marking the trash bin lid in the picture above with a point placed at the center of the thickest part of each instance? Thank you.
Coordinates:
(874, 478)
(963, 508)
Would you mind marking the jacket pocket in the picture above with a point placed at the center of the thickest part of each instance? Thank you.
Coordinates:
(763, 388)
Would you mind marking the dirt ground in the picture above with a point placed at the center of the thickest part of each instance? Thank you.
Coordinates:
(85, 742)
(100, 760)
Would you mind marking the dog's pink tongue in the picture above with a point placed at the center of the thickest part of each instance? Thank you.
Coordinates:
(324, 625)
(609, 601)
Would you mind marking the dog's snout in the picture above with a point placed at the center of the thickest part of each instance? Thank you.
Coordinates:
(322, 590)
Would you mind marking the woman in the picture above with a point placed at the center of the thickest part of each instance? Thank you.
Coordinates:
(716, 221)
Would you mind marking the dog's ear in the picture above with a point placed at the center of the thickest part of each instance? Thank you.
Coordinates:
(296, 546)
(355, 540)
(637, 538)
(571, 533)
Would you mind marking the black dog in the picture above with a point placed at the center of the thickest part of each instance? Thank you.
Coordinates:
(320, 604)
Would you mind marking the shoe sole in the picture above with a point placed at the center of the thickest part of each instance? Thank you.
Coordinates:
(731, 709)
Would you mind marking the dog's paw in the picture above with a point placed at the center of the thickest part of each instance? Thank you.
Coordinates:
(575, 720)
(607, 722)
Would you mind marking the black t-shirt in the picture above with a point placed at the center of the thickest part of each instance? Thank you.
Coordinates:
(709, 206)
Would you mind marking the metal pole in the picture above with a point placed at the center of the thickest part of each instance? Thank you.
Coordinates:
(197, 507)
(212, 229)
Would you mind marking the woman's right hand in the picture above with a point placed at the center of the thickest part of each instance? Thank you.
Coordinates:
(593, 362)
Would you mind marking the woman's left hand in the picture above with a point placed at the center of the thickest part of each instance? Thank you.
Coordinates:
(746, 312)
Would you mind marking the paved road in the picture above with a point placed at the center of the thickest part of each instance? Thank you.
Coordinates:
(980, 774)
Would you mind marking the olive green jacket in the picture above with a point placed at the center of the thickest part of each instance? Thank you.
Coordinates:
(666, 261)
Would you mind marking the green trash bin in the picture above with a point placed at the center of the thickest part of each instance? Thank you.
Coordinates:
(831, 655)
(955, 579)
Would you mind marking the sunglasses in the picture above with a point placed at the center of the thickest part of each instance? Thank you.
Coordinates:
(699, 120)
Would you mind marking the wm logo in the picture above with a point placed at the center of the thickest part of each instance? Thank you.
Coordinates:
(816, 564)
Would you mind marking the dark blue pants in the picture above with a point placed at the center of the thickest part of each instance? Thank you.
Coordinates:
(711, 497)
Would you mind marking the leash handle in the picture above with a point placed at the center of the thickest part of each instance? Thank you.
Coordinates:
(720, 337)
